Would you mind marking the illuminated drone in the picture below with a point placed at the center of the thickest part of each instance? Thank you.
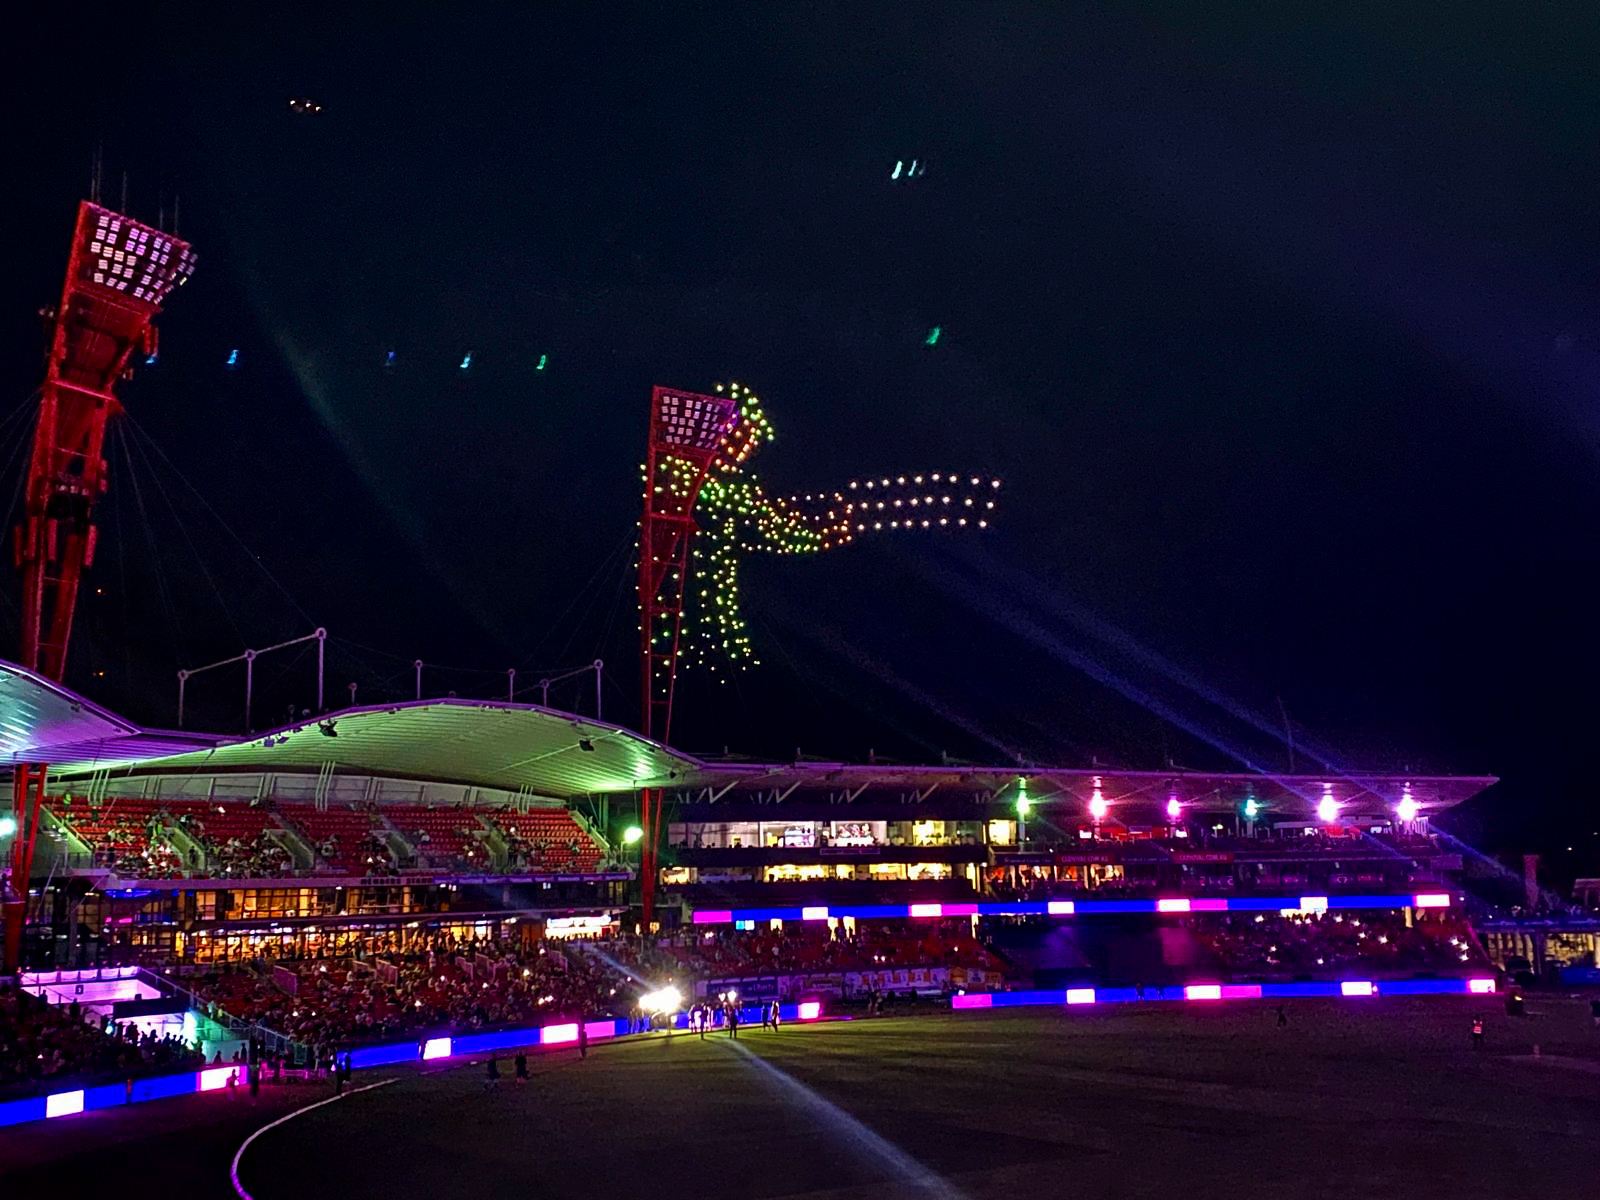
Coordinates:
(736, 517)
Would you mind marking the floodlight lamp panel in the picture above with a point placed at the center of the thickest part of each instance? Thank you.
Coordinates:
(689, 420)
(121, 255)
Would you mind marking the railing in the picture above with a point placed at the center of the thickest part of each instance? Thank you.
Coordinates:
(277, 1043)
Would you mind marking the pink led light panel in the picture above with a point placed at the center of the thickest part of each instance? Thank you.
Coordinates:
(1061, 908)
(1080, 995)
(214, 1078)
(1432, 900)
(436, 1048)
(1241, 991)
(1357, 987)
(63, 1104)
(1203, 991)
(927, 910)
(556, 1035)
(1480, 987)
(1172, 906)
(818, 913)
(810, 1010)
(713, 917)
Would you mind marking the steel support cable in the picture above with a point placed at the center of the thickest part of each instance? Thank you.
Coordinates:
(630, 697)
(605, 563)
(228, 529)
(25, 406)
(22, 435)
(604, 645)
(11, 459)
(594, 596)
(405, 671)
(162, 592)
(428, 664)
(183, 529)
(374, 678)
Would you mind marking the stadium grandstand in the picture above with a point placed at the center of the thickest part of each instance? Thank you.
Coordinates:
(390, 875)
(381, 872)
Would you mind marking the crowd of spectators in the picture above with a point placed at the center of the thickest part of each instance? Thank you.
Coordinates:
(125, 835)
(154, 838)
(1028, 884)
(458, 845)
(811, 947)
(402, 990)
(1339, 945)
(260, 857)
(403, 985)
(45, 1047)
(526, 850)
(156, 860)
(369, 853)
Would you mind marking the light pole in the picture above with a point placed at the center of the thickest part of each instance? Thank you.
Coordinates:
(632, 836)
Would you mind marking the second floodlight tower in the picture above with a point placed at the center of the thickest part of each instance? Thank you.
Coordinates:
(687, 431)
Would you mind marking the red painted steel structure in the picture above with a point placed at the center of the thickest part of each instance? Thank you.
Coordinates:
(687, 431)
(119, 273)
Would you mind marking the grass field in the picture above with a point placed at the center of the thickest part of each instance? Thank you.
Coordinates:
(1365, 1099)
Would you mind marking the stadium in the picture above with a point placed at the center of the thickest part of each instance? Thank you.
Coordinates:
(381, 902)
(444, 947)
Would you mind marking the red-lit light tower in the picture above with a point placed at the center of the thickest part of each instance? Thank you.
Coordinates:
(686, 433)
(118, 275)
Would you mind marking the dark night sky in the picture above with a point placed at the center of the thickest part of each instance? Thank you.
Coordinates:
(1283, 336)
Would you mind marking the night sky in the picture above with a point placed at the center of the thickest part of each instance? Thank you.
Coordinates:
(1282, 335)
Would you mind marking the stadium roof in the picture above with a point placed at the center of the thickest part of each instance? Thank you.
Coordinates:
(36, 714)
(520, 747)
(1043, 782)
(1145, 793)
(517, 747)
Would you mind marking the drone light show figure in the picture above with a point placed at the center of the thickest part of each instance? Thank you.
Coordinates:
(736, 517)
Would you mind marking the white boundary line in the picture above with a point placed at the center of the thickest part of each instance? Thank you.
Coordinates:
(233, 1170)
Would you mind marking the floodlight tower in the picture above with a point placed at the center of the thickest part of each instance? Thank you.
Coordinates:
(686, 433)
(118, 275)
